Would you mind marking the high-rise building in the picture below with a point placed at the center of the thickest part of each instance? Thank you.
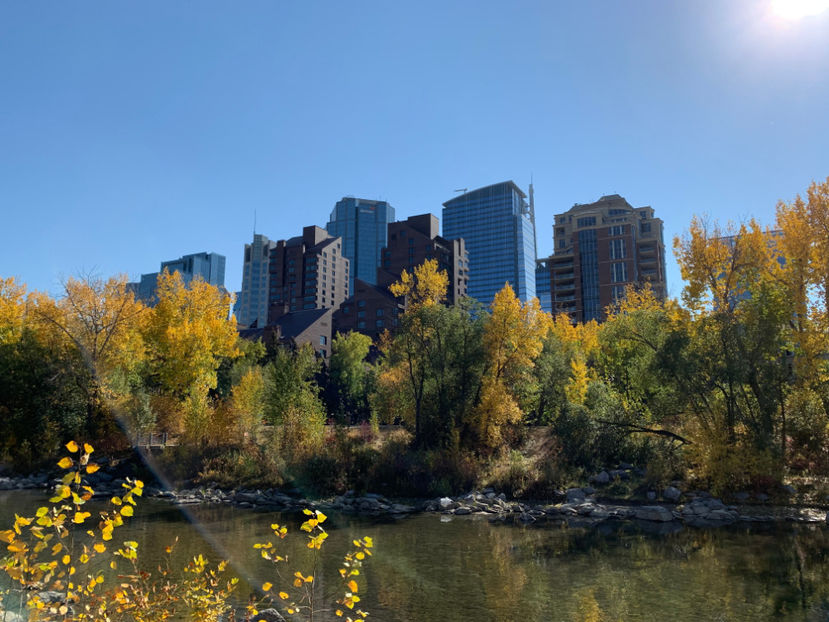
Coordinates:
(362, 224)
(210, 267)
(252, 303)
(498, 226)
(543, 285)
(599, 249)
(372, 309)
(306, 272)
(413, 241)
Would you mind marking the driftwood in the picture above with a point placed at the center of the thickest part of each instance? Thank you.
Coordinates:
(639, 428)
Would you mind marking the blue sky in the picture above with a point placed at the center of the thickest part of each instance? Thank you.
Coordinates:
(132, 133)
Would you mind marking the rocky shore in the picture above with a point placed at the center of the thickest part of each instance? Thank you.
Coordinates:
(574, 506)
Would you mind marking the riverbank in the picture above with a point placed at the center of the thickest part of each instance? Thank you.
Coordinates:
(577, 506)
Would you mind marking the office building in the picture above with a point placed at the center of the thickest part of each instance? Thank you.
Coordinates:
(599, 249)
(209, 267)
(413, 241)
(252, 302)
(306, 272)
(498, 226)
(362, 224)
(543, 285)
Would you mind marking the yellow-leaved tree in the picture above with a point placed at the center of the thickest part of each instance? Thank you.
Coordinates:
(513, 338)
(99, 321)
(12, 309)
(189, 332)
(425, 286)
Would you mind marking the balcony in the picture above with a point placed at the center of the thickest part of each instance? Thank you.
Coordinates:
(564, 298)
(561, 265)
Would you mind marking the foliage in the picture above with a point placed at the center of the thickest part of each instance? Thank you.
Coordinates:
(58, 560)
(292, 401)
(349, 376)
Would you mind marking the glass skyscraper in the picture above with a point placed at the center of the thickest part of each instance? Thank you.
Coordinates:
(498, 226)
(363, 226)
(252, 303)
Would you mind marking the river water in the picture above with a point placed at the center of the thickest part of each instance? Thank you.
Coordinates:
(428, 568)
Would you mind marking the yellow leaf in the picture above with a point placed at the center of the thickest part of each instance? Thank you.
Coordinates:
(266, 587)
(88, 448)
(283, 595)
(126, 510)
(352, 585)
(65, 462)
(99, 547)
(92, 468)
(65, 560)
(72, 446)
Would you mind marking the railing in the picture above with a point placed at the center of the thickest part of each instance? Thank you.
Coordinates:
(155, 439)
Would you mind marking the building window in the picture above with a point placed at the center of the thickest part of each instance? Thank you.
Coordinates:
(617, 248)
(379, 323)
(323, 340)
(618, 272)
(379, 312)
(560, 231)
(361, 313)
(361, 324)
(618, 292)
(645, 227)
(562, 243)
(588, 221)
(616, 230)
(361, 303)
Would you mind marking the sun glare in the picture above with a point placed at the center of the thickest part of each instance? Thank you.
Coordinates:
(796, 9)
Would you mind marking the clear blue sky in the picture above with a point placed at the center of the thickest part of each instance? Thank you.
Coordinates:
(132, 133)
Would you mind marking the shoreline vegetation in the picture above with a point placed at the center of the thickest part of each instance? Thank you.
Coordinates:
(725, 390)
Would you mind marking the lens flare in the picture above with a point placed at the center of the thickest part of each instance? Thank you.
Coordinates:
(797, 9)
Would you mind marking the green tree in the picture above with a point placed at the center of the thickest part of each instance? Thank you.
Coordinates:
(292, 401)
(349, 376)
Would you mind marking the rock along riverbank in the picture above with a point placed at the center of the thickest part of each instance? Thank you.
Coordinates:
(577, 507)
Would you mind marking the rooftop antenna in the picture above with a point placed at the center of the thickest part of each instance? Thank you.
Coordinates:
(254, 221)
(532, 217)
(461, 190)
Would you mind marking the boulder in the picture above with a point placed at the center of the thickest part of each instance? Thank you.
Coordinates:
(654, 513)
(671, 494)
(446, 503)
(575, 494)
(602, 479)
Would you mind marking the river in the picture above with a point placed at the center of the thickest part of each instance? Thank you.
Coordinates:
(428, 568)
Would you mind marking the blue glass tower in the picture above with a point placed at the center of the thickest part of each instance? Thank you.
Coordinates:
(363, 226)
(498, 226)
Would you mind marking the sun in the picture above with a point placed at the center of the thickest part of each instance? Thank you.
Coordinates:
(796, 9)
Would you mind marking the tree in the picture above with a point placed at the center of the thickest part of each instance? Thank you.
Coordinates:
(425, 286)
(101, 322)
(513, 337)
(349, 375)
(732, 365)
(292, 401)
(189, 334)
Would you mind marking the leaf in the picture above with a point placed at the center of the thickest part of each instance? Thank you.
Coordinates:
(92, 468)
(65, 462)
(126, 510)
(99, 547)
(266, 587)
(352, 585)
(88, 448)
(72, 446)
(283, 595)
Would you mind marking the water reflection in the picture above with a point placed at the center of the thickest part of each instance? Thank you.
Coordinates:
(469, 569)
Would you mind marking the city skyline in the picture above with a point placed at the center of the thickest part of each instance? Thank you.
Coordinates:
(172, 127)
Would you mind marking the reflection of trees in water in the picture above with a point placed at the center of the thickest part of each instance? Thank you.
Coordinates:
(424, 569)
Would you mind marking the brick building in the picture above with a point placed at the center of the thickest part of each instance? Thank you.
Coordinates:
(306, 272)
